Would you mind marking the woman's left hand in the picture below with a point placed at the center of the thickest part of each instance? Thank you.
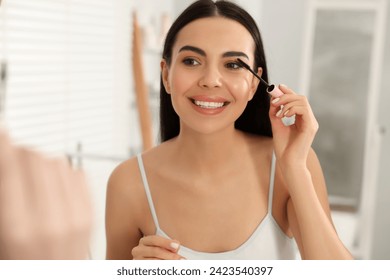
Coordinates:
(292, 143)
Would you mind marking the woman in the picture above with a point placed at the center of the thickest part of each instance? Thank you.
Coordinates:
(212, 189)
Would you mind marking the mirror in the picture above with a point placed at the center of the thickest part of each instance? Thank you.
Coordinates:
(340, 79)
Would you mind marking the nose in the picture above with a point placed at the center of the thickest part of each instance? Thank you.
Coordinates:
(211, 77)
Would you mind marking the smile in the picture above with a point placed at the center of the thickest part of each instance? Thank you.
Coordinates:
(209, 104)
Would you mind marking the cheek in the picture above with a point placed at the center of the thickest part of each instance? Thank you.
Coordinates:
(181, 81)
(240, 88)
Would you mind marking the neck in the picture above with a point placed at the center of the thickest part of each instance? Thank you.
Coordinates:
(208, 152)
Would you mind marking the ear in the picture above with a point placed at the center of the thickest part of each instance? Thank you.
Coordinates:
(255, 83)
(165, 75)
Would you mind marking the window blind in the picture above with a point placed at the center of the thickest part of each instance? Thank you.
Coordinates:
(61, 63)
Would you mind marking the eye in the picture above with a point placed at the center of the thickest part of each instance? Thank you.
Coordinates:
(190, 62)
(233, 65)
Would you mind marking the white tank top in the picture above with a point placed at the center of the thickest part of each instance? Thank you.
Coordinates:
(268, 241)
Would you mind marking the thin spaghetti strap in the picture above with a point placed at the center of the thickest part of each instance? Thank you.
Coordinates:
(147, 189)
(271, 183)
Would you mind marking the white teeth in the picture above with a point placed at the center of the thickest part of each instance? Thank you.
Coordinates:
(208, 105)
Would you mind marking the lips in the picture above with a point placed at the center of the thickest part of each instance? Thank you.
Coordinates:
(209, 103)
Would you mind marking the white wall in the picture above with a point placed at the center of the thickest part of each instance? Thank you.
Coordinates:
(381, 245)
(282, 24)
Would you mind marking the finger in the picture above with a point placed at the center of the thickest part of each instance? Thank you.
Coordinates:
(286, 102)
(304, 117)
(299, 102)
(288, 98)
(304, 113)
(293, 111)
(285, 89)
(154, 252)
(284, 95)
(286, 109)
(159, 241)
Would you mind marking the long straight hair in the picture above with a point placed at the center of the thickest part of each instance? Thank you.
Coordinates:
(255, 118)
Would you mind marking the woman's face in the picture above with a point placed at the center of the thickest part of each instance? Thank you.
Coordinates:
(209, 90)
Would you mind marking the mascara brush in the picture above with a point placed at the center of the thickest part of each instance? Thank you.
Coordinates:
(271, 89)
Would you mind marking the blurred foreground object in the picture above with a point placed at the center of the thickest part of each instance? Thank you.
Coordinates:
(45, 207)
(142, 94)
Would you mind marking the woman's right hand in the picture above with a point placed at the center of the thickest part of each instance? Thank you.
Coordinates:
(154, 247)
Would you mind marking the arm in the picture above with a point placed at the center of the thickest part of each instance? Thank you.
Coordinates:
(126, 211)
(309, 214)
(122, 233)
(307, 208)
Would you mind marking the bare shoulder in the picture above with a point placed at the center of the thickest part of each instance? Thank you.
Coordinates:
(126, 209)
(125, 176)
(125, 190)
(124, 185)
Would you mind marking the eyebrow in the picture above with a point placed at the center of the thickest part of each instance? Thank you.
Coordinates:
(203, 53)
(193, 49)
(232, 53)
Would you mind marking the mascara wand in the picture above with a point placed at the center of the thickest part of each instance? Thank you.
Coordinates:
(271, 89)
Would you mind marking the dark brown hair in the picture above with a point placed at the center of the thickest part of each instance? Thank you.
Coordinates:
(255, 118)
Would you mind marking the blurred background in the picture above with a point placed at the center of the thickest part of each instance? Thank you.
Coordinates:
(68, 87)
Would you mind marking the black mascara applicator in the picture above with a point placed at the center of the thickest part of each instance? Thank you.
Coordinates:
(271, 89)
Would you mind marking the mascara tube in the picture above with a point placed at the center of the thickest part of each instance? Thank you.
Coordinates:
(274, 91)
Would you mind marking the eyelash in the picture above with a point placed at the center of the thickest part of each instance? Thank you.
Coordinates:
(193, 62)
(190, 62)
(233, 65)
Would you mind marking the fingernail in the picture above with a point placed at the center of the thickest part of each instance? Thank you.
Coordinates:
(285, 113)
(275, 100)
(275, 92)
(175, 245)
(283, 85)
(279, 113)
